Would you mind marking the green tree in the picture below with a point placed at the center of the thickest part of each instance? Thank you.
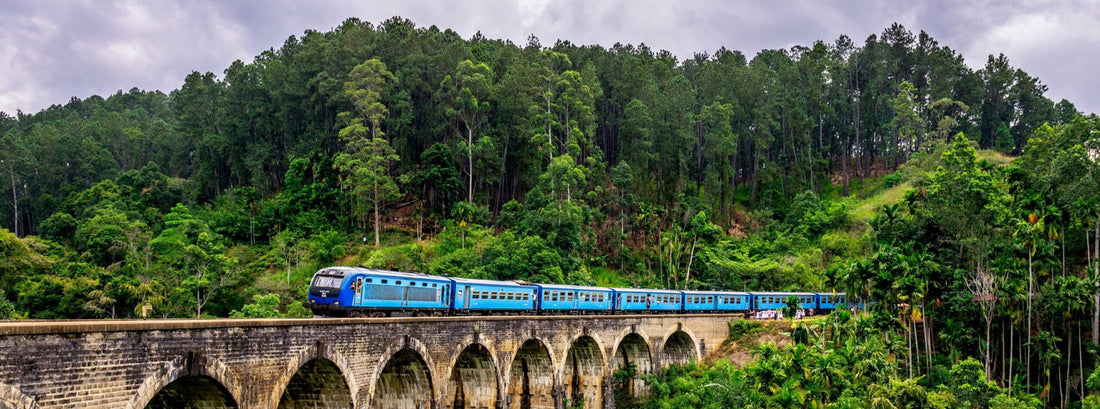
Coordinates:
(188, 245)
(262, 306)
(468, 92)
(368, 157)
(906, 122)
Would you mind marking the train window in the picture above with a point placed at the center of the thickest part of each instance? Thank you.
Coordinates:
(710, 299)
(433, 285)
(475, 294)
(412, 283)
(511, 296)
(554, 296)
(385, 281)
(426, 284)
(570, 296)
(398, 282)
(369, 280)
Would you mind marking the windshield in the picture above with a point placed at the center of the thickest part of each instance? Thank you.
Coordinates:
(327, 281)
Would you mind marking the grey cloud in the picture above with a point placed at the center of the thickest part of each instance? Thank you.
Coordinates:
(51, 51)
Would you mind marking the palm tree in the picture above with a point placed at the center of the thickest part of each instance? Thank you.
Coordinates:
(1028, 230)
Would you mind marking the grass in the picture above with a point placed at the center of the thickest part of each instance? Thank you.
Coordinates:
(862, 210)
(994, 157)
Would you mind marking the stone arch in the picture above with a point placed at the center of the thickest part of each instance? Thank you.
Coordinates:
(617, 341)
(198, 391)
(318, 351)
(366, 391)
(531, 377)
(12, 397)
(319, 384)
(474, 380)
(404, 382)
(633, 350)
(193, 364)
(678, 349)
(698, 345)
(582, 372)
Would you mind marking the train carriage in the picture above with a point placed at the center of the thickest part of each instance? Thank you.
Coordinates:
(831, 301)
(474, 296)
(778, 300)
(733, 301)
(352, 291)
(700, 301)
(557, 298)
(644, 300)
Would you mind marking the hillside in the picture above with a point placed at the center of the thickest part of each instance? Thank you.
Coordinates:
(890, 170)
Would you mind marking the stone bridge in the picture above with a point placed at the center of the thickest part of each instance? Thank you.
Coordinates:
(405, 363)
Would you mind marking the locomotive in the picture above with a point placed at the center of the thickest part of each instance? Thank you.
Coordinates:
(363, 292)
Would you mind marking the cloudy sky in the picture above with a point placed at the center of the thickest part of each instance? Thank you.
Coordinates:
(51, 51)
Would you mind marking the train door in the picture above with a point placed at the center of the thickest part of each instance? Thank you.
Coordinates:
(404, 296)
(466, 298)
(358, 291)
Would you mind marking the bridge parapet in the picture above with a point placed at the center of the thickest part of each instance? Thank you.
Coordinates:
(469, 362)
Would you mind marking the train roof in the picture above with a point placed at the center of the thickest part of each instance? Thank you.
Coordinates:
(779, 293)
(486, 282)
(714, 292)
(361, 270)
(572, 287)
(644, 290)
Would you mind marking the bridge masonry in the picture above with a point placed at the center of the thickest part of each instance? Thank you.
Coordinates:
(405, 363)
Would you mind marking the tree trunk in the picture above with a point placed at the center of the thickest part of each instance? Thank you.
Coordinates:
(1096, 297)
(14, 202)
(1011, 352)
(988, 324)
(927, 336)
(470, 164)
(377, 219)
(844, 168)
(1030, 281)
(691, 257)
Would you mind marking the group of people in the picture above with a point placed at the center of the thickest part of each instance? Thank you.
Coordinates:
(778, 314)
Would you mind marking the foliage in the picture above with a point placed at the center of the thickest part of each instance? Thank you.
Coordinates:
(617, 165)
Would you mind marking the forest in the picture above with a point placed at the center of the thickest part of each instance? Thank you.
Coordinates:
(962, 201)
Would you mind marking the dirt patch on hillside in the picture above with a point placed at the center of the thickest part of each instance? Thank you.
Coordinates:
(738, 349)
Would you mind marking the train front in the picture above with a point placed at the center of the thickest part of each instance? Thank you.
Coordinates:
(328, 294)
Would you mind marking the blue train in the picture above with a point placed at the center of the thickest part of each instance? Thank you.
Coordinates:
(363, 292)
